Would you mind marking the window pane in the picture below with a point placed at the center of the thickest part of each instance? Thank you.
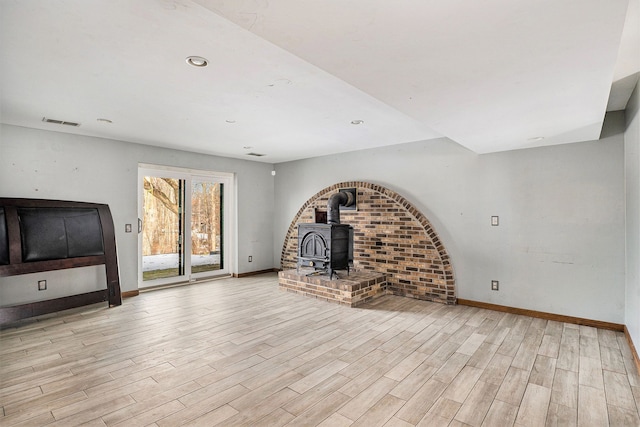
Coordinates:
(161, 228)
(206, 226)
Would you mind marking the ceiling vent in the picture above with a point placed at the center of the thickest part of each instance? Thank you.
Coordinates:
(256, 154)
(60, 122)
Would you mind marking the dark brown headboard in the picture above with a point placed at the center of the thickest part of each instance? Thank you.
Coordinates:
(43, 235)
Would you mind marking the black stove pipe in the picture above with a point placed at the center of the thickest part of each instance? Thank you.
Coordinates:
(341, 198)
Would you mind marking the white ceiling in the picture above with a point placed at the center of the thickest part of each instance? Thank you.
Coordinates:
(287, 77)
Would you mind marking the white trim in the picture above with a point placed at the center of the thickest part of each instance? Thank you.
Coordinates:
(185, 171)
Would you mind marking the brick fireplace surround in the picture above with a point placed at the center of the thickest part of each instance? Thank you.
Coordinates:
(391, 237)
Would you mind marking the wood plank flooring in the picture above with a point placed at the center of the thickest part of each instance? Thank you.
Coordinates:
(237, 352)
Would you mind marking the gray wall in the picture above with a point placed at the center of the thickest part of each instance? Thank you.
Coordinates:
(52, 165)
(560, 244)
(632, 178)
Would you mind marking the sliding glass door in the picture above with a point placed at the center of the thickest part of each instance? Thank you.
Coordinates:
(207, 225)
(183, 231)
(162, 228)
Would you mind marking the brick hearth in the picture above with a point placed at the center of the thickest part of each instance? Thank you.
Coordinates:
(351, 290)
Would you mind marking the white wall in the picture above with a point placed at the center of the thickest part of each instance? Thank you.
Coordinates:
(560, 244)
(632, 180)
(52, 165)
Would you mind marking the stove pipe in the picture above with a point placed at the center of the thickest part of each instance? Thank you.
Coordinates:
(341, 198)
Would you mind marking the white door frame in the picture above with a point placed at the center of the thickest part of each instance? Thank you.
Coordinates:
(228, 226)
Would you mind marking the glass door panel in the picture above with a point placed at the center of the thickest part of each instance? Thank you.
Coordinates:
(207, 225)
(185, 226)
(162, 228)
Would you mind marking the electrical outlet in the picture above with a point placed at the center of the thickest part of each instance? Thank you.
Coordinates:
(250, 258)
(42, 285)
(495, 285)
(127, 228)
(495, 221)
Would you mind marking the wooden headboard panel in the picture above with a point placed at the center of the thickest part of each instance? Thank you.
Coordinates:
(43, 235)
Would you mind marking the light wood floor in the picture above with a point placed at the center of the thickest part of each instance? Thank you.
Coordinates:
(242, 352)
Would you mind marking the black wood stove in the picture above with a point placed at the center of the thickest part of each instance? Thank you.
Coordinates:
(327, 247)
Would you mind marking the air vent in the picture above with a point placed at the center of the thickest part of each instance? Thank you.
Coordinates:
(256, 154)
(60, 122)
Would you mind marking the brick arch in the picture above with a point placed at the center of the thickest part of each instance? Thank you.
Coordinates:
(391, 236)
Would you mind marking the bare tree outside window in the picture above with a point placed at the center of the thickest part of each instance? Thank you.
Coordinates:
(161, 233)
(206, 225)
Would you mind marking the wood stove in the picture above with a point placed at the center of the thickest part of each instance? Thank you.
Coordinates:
(326, 247)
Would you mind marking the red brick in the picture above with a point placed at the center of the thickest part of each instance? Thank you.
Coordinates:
(391, 237)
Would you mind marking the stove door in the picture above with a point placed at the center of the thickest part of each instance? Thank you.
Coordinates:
(313, 245)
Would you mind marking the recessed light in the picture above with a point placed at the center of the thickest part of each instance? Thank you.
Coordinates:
(357, 122)
(536, 138)
(197, 61)
(104, 120)
(230, 121)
